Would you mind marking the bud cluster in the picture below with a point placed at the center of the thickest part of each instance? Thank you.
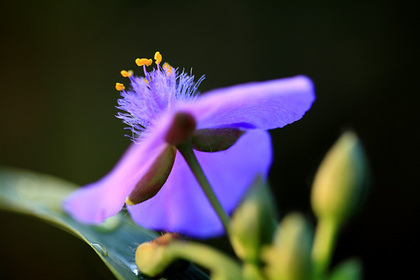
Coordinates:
(290, 250)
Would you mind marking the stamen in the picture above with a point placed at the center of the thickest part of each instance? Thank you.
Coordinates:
(158, 58)
(119, 86)
(144, 61)
(155, 92)
(126, 74)
(168, 68)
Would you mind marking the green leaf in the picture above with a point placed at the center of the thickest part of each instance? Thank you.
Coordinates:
(114, 241)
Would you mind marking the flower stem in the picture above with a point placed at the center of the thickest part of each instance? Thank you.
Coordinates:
(325, 237)
(220, 265)
(187, 152)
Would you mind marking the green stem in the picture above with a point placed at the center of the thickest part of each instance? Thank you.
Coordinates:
(324, 242)
(187, 152)
(251, 270)
(220, 265)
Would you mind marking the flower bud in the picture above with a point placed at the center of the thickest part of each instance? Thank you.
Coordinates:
(155, 259)
(348, 270)
(340, 182)
(251, 271)
(253, 222)
(215, 139)
(290, 256)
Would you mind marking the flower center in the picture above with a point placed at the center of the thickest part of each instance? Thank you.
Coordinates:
(152, 94)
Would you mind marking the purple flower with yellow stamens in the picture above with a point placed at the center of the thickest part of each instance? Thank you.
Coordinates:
(226, 129)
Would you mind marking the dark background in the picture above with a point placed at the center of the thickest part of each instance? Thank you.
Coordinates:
(60, 61)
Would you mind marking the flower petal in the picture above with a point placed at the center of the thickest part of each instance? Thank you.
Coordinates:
(264, 105)
(181, 206)
(105, 198)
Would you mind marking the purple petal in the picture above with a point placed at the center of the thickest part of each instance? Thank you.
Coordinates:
(181, 205)
(264, 105)
(105, 198)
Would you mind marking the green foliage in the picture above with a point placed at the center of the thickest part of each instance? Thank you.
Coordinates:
(115, 241)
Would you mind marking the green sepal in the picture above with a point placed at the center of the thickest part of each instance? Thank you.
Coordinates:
(215, 139)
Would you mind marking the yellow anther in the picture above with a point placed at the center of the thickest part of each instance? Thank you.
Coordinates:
(158, 57)
(126, 74)
(168, 68)
(144, 61)
(145, 80)
(119, 86)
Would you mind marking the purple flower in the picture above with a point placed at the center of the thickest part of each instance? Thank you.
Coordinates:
(152, 105)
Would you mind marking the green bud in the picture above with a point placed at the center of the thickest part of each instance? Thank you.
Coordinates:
(253, 222)
(155, 258)
(150, 259)
(251, 271)
(348, 270)
(167, 254)
(289, 258)
(340, 182)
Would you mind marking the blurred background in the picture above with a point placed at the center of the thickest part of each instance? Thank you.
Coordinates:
(60, 61)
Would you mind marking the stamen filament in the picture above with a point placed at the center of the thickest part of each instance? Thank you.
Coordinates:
(187, 152)
(145, 71)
